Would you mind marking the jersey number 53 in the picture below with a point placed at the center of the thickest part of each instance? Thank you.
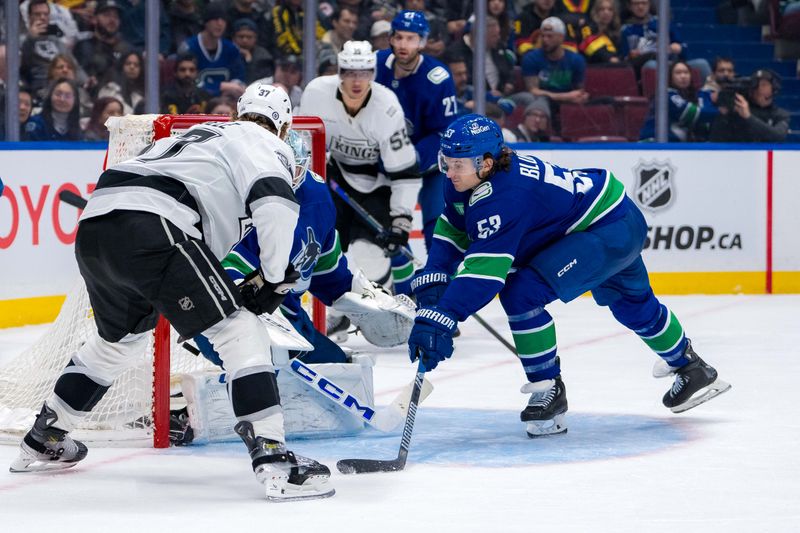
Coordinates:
(488, 226)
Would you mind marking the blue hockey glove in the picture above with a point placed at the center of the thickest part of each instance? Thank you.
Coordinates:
(432, 337)
(428, 287)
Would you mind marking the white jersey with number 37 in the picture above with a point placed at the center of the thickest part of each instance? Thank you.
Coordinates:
(231, 170)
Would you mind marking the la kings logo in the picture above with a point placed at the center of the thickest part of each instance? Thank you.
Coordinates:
(654, 185)
(355, 148)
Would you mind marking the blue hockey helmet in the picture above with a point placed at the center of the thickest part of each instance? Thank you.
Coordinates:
(413, 21)
(471, 136)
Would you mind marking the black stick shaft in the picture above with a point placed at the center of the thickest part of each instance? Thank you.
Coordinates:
(75, 200)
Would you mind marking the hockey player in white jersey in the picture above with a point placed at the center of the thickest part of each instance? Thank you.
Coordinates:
(371, 158)
(150, 242)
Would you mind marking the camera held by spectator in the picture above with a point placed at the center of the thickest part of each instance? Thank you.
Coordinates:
(726, 98)
(752, 116)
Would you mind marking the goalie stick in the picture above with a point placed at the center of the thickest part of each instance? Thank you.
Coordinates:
(367, 466)
(377, 226)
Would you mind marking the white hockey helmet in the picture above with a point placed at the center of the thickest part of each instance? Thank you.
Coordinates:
(268, 101)
(356, 55)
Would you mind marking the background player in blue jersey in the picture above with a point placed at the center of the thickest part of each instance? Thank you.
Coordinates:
(426, 92)
(535, 232)
(323, 270)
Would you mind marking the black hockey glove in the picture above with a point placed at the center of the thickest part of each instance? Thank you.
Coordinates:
(260, 296)
(391, 239)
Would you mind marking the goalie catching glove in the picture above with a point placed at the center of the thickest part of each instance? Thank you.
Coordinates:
(383, 319)
(260, 296)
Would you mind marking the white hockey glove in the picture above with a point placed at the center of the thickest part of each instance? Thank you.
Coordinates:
(383, 319)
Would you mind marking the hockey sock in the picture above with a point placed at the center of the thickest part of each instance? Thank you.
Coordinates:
(666, 337)
(75, 394)
(402, 272)
(535, 339)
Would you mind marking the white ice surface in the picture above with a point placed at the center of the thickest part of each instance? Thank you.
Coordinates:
(627, 463)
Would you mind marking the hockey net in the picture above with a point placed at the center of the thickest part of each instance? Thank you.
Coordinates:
(135, 411)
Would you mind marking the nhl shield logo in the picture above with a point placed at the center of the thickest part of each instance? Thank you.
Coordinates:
(654, 190)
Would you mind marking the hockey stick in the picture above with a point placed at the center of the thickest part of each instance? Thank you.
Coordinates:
(384, 419)
(75, 200)
(376, 225)
(366, 466)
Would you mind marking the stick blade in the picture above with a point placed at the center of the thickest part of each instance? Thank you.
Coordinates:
(369, 466)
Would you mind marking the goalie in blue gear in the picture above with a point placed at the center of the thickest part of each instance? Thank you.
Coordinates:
(427, 94)
(322, 269)
(535, 232)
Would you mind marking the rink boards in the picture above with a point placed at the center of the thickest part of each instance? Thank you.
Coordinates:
(722, 218)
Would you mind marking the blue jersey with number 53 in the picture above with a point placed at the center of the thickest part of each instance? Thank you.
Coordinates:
(428, 98)
(508, 219)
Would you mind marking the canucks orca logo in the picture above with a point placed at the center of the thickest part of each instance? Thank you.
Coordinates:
(306, 258)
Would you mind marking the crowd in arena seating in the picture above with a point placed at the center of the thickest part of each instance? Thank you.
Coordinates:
(555, 69)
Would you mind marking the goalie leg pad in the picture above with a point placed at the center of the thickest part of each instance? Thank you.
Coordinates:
(241, 341)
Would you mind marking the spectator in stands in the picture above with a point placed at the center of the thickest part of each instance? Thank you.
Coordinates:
(220, 106)
(251, 10)
(287, 17)
(499, 65)
(457, 12)
(104, 107)
(754, 118)
(25, 109)
(639, 40)
(126, 84)
(499, 10)
(59, 119)
(99, 53)
(63, 66)
(460, 74)
(535, 126)
(327, 63)
(345, 22)
(600, 42)
(690, 111)
(257, 60)
(40, 46)
(289, 74)
(552, 71)
(379, 34)
(185, 20)
(59, 22)
(219, 62)
(498, 116)
(724, 71)
(528, 23)
(367, 14)
(184, 96)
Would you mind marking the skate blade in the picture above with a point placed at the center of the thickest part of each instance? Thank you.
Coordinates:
(315, 488)
(25, 463)
(709, 392)
(542, 428)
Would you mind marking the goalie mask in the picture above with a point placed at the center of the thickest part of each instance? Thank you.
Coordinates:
(302, 157)
(268, 101)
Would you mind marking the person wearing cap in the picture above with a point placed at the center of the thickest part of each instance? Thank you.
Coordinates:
(535, 125)
(379, 35)
(427, 94)
(98, 54)
(552, 71)
(221, 67)
(258, 61)
(344, 21)
(754, 118)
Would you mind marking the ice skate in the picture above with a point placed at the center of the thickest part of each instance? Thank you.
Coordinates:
(547, 405)
(285, 476)
(47, 448)
(695, 383)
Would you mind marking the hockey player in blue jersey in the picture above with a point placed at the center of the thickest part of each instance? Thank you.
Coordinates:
(535, 232)
(426, 92)
(323, 270)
